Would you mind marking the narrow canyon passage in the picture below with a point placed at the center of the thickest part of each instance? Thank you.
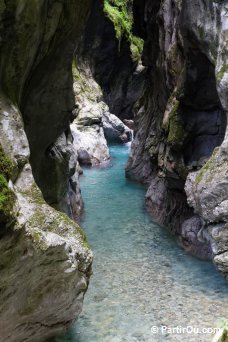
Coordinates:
(79, 80)
(141, 278)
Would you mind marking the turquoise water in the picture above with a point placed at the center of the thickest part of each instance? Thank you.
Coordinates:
(141, 278)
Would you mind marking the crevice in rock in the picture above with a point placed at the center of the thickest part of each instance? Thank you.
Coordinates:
(203, 116)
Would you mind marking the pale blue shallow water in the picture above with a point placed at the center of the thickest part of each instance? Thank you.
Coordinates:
(141, 278)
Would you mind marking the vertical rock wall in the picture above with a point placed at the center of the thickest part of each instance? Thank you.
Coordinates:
(45, 260)
(110, 60)
(183, 118)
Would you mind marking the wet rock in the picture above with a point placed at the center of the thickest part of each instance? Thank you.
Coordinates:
(191, 240)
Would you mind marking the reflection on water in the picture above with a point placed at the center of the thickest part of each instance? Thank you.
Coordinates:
(141, 278)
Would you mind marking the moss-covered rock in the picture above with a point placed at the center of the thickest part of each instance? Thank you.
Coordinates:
(222, 334)
(120, 13)
(44, 255)
(7, 200)
(176, 131)
(7, 197)
(222, 71)
(6, 164)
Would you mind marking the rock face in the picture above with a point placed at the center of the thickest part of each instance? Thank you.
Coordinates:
(94, 125)
(45, 268)
(114, 129)
(181, 121)
(45, 260)
(120, 77)
(88, 133)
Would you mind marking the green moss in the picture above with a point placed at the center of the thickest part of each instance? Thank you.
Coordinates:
(38, 239)
(208, 166)
(222, 71)
(76, 229)
(223, 335)
(204, 169)
(120, 15)
(59, 223)
(2, 7)
(34, 195)
(176, 128)
(6, 164)
(84, 240)
(201, 31)
(223, 324)
(7, 199)
(75, 72)
(212, 167)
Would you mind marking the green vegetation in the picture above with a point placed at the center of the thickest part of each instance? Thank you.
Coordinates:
(176, 128)
(214, 166)
(223, 324)
(204, 169)
(75, 71)
(222, 335)
(201, 31)
(53, 221)
(222, 71)
(6, 164)
(119, 13)
(7, 197)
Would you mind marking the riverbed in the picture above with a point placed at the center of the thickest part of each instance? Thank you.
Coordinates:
(141, 277)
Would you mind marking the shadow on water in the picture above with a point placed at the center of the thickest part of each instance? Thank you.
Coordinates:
(141, 277)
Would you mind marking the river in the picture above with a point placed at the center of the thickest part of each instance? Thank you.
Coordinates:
(141, 277)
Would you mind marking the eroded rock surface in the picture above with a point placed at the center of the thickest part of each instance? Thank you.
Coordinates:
(115, 130)
(182, 119)
(118, 73)
(45, 260)
(94, 126)
(89, 140)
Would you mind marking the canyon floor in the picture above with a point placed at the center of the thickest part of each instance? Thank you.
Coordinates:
(141, 277)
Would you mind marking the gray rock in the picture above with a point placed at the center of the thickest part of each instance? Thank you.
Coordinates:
(90, 144)
(181, 121)
(190, 238)
(120, 77)
(114, 129)
(129, 123)
(89, 140)
(52, 250)
(39, 249)
(45, 260)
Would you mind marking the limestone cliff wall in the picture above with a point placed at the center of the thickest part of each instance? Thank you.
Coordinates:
(112, 63)
(45, 259)
(182, 119)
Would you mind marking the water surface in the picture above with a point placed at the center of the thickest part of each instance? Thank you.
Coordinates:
(141, 278)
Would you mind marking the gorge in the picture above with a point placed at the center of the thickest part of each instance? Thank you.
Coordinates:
(141, 276)
(78, 81)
